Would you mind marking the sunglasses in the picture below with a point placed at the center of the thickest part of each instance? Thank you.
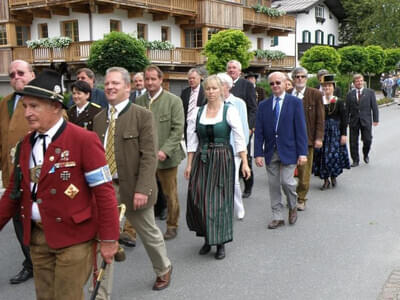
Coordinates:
(275, 83)
(19, 73)
(300, 76)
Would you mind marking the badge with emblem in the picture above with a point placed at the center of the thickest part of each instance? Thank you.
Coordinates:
(65, 175)
(35, 173)
(71, 191)
(58, 150)
(65, 155)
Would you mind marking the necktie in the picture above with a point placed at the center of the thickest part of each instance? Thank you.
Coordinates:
(277, 110)
(192, 103)
(297, 94)
(110, 153)
(358, 95)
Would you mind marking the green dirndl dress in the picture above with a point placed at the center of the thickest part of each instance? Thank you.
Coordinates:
(211, 184)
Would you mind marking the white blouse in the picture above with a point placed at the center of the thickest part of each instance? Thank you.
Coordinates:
(233, 119)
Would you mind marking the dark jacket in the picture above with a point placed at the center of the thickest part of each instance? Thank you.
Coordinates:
(362, 111)
(85, 118)
(245, 90)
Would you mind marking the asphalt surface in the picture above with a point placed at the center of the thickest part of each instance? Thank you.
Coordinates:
(344, 246)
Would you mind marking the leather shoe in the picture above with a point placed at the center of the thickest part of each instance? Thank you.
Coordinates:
(220, 254)
(275, 224)
(163, 281)
(205, 249)
(22, 276)
(126, 240)
(170, 234)
(246, 194)
(355, 164)
(163, 214)
(366, 159)
(292, 216)
(301, 206)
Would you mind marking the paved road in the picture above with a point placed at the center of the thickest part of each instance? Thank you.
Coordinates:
(344, 246)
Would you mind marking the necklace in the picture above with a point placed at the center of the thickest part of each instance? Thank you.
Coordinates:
(332, 108)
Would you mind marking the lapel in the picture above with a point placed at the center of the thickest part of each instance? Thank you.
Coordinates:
(10, 105)
(102, 124)
(283, 109)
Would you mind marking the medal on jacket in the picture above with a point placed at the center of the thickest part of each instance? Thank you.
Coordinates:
(34, 173)
(65, 175)
(71, 191)
(65, 155)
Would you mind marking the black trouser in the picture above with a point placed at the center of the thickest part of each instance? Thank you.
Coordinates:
(366, 137)
(161, 203)
(18, 227)
(248, 184)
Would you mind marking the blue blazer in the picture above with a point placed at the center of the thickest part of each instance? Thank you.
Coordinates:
(290, 139)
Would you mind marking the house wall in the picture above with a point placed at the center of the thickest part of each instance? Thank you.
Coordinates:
(285, 45)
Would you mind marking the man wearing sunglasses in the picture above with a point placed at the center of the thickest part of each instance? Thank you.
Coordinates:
(315, 118)
(13, 127)
(281, 139)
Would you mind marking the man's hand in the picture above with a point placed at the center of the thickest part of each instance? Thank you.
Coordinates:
(108, 250)
(302, 160)
(187, 171)
(318, 144)
(343, 140)
(162, 156)
(139, 200)
(375, 123)
(259, 161)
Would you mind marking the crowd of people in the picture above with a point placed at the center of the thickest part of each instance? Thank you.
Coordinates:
(125, 144)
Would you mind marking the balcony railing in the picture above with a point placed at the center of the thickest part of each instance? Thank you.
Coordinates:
(287, 62)
(79, 51)
(253, 18)
(163, 5)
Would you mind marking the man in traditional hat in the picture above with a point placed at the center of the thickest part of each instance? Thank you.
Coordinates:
(62, 187)
(260, 92)
(13, 127)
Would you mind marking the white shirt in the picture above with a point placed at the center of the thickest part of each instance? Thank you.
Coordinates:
(37, 152)
(300, 94)
(282, 97)
(16, 99)
(233, 119)
(80, 110)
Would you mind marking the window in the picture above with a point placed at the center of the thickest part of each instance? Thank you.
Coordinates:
(274, 41)
(193, 38)
(70, 29)
(212, 31)
(331, 40)
(319, 11)
(142, 31)
(165, 34)
(260, 43)
(23, 34)
(306, 36)
(115, 25)
(3, 35)
(43, 30)
(319, 37)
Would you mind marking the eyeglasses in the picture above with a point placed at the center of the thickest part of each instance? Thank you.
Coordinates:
(275, 83)
(300, 76)
(19, 73)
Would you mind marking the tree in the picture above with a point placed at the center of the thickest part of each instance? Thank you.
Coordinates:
(320, 57)
(354, 59)
(118, 49)
(225, 46)
(375, 62)
(392, 59)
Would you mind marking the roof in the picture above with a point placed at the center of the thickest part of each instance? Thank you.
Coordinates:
(300, 6)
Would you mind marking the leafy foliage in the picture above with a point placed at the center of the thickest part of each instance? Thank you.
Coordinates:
(392, 59)
(117, 49)
(354, 59)
(272, 12)
(225, 46)
(321, 57)
(54, 42)
(269, 54)
(157, 45)
(376, 60)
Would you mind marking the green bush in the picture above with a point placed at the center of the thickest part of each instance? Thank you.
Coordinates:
(312, 82)
(67, 96)
(117, 49)
(265, 85)
(157, 45)
(269, 54)
(384, 101)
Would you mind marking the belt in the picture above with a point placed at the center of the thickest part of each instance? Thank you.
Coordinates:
(204, 148)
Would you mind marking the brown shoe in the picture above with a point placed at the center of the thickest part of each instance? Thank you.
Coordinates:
(163, 281)
(292, 216)
(170, 234)
(301, 206)
(275, 224)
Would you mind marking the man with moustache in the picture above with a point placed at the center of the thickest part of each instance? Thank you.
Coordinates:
(13, 127)
(138, 86)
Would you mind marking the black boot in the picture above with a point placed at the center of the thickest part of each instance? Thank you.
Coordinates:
(333, 180)
(205, 249)
(325, 185)
(220, 254)
(248, 186)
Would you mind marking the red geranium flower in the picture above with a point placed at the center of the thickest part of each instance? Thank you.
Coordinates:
(333, 100)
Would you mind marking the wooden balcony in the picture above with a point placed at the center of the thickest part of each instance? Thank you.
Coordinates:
(288, 62)
(171, 6)
(79, 52)
(284, 23)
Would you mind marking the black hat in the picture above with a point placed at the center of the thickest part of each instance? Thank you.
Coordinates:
(47, 85)
(251, 74)
(328, 78)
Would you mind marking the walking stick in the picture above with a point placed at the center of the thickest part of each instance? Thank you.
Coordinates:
(122, 208)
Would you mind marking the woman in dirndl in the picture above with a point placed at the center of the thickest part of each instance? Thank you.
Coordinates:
(332, 157)
(210, 168)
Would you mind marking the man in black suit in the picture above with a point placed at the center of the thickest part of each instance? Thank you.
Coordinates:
(192, 96)
(138, 86)
(245, 90)
(359, 104)
(260, 92)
